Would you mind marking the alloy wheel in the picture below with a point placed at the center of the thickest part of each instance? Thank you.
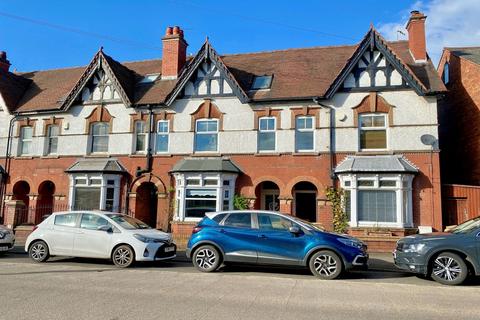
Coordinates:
(122, 257)
(38, 251)
(325, 265)
(446, 268)
(205, 258)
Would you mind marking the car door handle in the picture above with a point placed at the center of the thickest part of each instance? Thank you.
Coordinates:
(223, 231)
(262, 236)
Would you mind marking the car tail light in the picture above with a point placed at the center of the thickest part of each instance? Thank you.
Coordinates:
(196, 229)
(34, 228)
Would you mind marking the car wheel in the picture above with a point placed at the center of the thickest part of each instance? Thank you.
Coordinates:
(325, 265)
(449, 268)
(38, 251)
(123, 256)
(207, 259)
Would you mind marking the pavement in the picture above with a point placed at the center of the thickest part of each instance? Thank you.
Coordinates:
(73, 288)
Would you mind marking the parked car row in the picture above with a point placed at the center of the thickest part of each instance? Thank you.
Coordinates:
(252, 237)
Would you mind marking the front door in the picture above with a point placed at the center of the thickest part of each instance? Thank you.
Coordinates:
(277, 245)
(270, 201)
(89, 240)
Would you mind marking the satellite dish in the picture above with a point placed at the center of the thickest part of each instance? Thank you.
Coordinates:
(428, 139)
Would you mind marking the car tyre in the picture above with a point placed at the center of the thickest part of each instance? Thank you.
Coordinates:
(207, 258)
(449, 268)
(123, 256)
(326, 265)
(38, 251)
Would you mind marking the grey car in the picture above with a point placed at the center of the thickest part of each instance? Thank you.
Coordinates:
(448, 257)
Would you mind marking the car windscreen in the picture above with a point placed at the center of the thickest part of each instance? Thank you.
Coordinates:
(467, 226)
(128, 222)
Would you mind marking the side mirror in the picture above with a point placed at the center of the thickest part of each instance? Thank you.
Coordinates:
(105, 228)
(294, 230)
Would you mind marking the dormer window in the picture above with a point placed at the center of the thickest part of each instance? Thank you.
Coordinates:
(149, 78)
(262, 82)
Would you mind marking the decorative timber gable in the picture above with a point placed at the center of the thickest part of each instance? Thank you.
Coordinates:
(374, 66)
(206, 76)
(103, 80)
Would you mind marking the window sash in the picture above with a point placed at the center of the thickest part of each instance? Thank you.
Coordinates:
(206, 135)
(87, 198)
(266, 141)
(26, 139)
(267, 124)
(161, 140)
(373, 139)
(99, 137)
(207, 126)
(304, 141)
(304, 123)
(377, 206)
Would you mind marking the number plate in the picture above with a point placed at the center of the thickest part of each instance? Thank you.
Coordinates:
(169, 249)
(3, 248)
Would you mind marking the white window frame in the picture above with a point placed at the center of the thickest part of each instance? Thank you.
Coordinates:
(23, 140)
(103, 185)
(167, 133)
(385, 127)
(49, 139)
(312, 130)
(136, 134)
(92, 137)
(268, 130)
(205, 133)
(404, 215)
(182, 186)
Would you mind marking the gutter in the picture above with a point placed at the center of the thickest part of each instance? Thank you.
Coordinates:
(331, 146)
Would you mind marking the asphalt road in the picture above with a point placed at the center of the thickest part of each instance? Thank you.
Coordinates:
(67, 288)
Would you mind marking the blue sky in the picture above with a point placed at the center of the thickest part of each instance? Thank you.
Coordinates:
(232, 26)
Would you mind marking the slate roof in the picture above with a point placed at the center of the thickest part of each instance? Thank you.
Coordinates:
(206, 165)
(298, 74)
(470, 53)
(378, 163)
(97, 165)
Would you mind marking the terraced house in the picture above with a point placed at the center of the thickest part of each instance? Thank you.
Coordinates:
(166, 140)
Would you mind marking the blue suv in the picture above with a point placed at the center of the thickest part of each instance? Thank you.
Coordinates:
(272, 238)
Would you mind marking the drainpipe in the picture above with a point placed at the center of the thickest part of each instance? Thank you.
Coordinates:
(149, 160)
(331, 146)
(7, 161)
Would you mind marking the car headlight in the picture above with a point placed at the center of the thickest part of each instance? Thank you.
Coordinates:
(413, 247)
(351, 242)
(143, 238)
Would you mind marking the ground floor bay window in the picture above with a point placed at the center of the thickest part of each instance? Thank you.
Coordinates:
(203, 185)
(378, 200)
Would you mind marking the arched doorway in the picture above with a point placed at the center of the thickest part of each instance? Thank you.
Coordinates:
(21, 190)
(305, 201)
(146, 203)
(267, 192)
(44, 201)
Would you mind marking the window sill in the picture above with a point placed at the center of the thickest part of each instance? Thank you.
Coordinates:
(50, 156)
(267, 154)
(205, 154)
(162, 155)
(374, 152)
(23, 157)
(138, 155)
(306, 153)
(97, 155)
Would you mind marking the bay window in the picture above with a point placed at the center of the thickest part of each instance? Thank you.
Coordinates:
(266, 134)
(304, 134)
(206, 135)
(26, 136)
(94, 191)
(99, 137)
(161, 141)
(373, 131)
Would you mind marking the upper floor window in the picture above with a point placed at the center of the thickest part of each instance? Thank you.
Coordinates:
(161, 142)
(140, 136)
(373, 131)
(26, 135)
(261, 82)
(52, 139)
(304, 134)
(446, 73)
(206, 135)
(266, 134)
(99, 136)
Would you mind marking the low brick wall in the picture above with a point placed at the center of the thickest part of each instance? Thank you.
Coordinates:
(22, 232)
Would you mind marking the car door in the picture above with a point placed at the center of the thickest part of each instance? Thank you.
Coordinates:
(90, 241)
(60, 237)
(277, 244)
(238, 238)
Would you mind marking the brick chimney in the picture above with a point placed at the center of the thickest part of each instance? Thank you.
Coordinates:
(416, 36)
(4, 63)
(174, 52)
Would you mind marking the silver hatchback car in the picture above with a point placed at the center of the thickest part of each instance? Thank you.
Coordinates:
(7, 239)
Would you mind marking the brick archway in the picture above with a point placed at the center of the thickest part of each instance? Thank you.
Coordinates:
(148, 178)
(291, 184)
(250, 192)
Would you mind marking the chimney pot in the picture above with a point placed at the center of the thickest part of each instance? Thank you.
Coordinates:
(169, 31)
(176, 30)
(416, 36)
(4, 63)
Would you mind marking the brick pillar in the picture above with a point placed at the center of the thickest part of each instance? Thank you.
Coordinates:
(12, 213)
(324, 214)
(163, 215)
(132, 200)
(285, 205)
(32, 203)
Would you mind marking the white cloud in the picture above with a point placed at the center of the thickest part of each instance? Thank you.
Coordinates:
(450, 23)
